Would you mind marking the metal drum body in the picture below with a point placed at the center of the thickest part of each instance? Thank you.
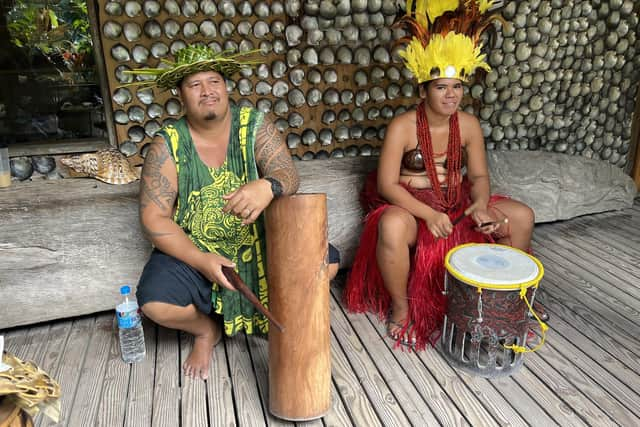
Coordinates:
(485, 310)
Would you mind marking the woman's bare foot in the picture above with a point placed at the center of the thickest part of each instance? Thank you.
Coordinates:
(197, 364)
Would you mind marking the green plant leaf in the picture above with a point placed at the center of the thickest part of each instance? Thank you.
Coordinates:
(54, 19)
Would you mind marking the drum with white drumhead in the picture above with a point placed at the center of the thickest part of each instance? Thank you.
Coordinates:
(490, 288)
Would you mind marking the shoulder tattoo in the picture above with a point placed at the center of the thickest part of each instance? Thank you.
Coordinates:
(155, 188)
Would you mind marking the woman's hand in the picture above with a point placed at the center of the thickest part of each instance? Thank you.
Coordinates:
(481, 215)
(439, 225)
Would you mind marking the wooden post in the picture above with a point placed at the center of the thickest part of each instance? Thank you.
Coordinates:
(635, 142)
(297, 272)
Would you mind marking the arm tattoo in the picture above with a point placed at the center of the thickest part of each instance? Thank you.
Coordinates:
(155, 188)
(152, 234)
(273, 158)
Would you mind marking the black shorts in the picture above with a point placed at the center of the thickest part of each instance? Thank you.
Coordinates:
(169, 280)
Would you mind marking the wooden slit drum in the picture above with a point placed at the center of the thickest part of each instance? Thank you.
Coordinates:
(298, 277)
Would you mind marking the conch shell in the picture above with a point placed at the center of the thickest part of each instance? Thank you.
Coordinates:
(109, 165)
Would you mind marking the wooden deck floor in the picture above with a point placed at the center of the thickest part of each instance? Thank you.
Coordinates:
(588, 373)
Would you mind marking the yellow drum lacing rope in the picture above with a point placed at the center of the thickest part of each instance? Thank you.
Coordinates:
(543, 328)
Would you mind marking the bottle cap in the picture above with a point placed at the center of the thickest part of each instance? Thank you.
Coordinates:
(125, 290)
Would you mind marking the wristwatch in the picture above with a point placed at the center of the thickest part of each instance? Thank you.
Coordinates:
(276, 187)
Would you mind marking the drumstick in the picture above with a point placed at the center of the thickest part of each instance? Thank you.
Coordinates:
(502, 221)
(237, 283)
(458, 218)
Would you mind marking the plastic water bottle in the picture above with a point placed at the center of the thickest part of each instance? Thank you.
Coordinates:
(130, 328)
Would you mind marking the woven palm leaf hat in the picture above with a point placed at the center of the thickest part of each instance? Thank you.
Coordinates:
(444, 37)
(190, 60)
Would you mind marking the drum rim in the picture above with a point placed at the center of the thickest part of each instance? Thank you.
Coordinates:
(522, 285)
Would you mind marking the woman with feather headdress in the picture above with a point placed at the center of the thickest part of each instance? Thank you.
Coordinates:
(432, 173)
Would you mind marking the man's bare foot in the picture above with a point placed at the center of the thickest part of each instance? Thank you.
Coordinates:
(197, 364)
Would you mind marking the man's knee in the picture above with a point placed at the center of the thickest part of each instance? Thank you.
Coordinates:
(163, 313)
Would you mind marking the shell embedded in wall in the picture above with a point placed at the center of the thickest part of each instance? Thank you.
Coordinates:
(109, 166)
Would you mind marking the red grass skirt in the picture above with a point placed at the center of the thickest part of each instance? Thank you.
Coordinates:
(365, 291)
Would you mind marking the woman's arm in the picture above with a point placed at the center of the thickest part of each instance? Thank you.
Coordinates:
(477, 169)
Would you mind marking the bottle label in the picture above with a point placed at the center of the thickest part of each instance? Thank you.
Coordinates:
(127, 318)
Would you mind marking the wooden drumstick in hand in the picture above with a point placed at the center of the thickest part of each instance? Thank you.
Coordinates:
(504, 220)
(458, 218)
(237, 283)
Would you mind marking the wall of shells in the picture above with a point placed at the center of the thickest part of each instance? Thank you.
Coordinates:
(565, 72)
(329, 77)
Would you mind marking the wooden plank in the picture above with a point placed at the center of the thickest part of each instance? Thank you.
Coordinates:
(27, 344)
(38, 338)
(440, 397)
(438, 400)
(620, 282)
(71, 364)
(593, 325)
(594, 239)
(570, 393)
(259, 349)
(624, 227)
(140, 394)
(116, 384)
(89, 391)
(401, 382)
(627, 395)
(350, 389)
(338, 415)
(166, 391)
(219, 393)
(598, 345)
(58, 336)
(584, 395)
(440, 403)
(15, 341)
(384, 402)
(490, 397)
(193, 391)
(584, 291)
(590, 311)
(434, 406)
(245, 387)
(520, 400)
(30, 347)
(456, 389)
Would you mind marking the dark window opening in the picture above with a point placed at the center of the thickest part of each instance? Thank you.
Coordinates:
(49, 83)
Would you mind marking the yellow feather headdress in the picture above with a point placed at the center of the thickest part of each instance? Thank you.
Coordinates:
(444, 37)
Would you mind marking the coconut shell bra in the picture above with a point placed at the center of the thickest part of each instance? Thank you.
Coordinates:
(413, 160)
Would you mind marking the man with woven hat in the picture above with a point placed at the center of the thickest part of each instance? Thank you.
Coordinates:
(205, 182)
(432, 170)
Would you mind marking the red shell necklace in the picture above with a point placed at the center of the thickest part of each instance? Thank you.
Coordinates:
(454, 158)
